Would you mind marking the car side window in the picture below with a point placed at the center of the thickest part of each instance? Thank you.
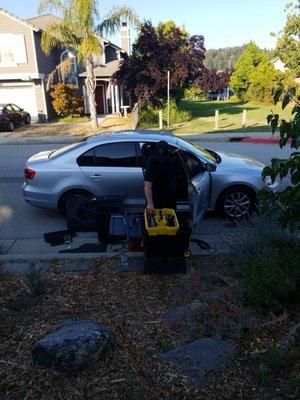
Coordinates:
(9, 108)
(193, 164)
(15, 108)
(116, 155)
(86, 159)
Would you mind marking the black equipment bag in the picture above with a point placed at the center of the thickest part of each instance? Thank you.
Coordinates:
(92, 213)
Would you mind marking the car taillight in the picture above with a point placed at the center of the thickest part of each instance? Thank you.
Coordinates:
(29, 173)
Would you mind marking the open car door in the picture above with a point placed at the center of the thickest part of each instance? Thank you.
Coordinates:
(199, 186)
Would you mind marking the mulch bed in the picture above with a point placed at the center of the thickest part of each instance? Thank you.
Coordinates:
(133, 305)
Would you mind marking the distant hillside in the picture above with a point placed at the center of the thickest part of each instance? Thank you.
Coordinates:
(219, 58)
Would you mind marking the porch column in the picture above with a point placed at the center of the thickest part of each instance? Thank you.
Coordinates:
(117, 99)
(106, 101)
(121, 95)
(113, 99)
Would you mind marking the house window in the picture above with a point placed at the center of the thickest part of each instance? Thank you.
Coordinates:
(72, 76)
(12, 50)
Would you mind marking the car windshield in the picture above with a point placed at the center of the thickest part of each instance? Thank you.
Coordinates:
(194, 148)
(65, 149)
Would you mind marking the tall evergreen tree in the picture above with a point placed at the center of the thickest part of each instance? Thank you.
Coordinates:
(246, 64)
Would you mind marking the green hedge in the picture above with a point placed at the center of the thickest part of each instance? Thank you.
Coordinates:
(149, 114)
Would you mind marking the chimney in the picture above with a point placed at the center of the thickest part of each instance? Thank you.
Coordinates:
(125, 38)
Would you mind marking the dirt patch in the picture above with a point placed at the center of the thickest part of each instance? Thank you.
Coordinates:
(80, 129)
(133, 305)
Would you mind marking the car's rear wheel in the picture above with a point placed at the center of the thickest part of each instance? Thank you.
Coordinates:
(236, 203)
(28, 120)
(11, 126)
(62, 203)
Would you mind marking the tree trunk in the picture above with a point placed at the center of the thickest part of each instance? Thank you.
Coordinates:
(91, 85)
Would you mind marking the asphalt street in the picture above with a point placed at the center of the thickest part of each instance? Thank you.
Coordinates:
(22, 226)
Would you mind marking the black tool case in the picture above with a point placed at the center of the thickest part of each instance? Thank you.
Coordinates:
(165, 254)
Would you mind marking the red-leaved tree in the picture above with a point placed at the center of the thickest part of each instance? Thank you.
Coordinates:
(144, 73)
(211, 80)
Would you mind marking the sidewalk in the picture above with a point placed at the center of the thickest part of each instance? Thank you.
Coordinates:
(253, 137)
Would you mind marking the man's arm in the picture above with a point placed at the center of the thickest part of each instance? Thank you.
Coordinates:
(148, 194)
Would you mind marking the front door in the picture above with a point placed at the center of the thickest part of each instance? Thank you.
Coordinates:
(99, 97)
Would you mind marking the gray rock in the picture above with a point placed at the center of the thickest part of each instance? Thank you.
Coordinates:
(199, 358)
(74, 345)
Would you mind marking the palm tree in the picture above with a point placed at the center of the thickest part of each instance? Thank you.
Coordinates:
(77, 30)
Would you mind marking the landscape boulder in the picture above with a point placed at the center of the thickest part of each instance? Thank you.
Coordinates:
(74, 345)
(199, 360)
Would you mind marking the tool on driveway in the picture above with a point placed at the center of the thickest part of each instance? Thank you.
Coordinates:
(113, 220)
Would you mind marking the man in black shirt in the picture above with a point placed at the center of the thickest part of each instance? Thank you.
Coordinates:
(160, 188)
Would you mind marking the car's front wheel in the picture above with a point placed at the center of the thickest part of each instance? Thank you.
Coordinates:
(11, 126)
(236, 203)
(28, 120)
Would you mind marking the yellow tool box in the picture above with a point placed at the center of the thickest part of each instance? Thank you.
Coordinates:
(161, 222)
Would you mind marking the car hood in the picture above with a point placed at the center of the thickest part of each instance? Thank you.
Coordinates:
(237, 161)
(43, 155)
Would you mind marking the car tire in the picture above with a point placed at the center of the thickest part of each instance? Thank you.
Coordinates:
(236, 203)
(11, 126)
(64, 198)
(27, 120)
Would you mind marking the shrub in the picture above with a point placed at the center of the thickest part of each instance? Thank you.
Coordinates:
(271, 278)
(194, 93)
(66, 100)
(268, 262)
(264, 367)
(36, 280)
(283, 206)
(149, 114)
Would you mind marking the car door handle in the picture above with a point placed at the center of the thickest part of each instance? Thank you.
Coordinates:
(96, 176)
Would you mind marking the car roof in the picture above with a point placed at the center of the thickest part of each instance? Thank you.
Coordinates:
(135, 135)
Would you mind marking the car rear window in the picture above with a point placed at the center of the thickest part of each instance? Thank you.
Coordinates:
(66, 149)
(121, 154)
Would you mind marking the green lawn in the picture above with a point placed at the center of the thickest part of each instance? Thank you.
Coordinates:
(230, 116)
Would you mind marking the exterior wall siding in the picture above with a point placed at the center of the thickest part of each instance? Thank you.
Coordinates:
(9, 25)
(46, 63)
(110, 54)
(39, 94)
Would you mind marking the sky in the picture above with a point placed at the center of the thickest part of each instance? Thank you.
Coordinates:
(223, 23)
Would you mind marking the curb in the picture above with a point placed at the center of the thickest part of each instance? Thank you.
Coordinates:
(263, 140)
(39, 140)
(260, 140)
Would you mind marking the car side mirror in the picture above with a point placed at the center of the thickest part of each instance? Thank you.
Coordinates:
(210, 167)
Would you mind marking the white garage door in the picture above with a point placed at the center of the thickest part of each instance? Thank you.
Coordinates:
(21, 95)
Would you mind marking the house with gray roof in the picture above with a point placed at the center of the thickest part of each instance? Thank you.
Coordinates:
(24, 67)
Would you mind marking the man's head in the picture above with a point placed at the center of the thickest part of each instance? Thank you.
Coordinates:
(162, 151)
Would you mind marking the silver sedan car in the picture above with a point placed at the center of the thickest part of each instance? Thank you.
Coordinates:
(113, 163)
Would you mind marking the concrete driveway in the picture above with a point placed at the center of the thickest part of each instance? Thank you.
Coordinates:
(22, 226)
